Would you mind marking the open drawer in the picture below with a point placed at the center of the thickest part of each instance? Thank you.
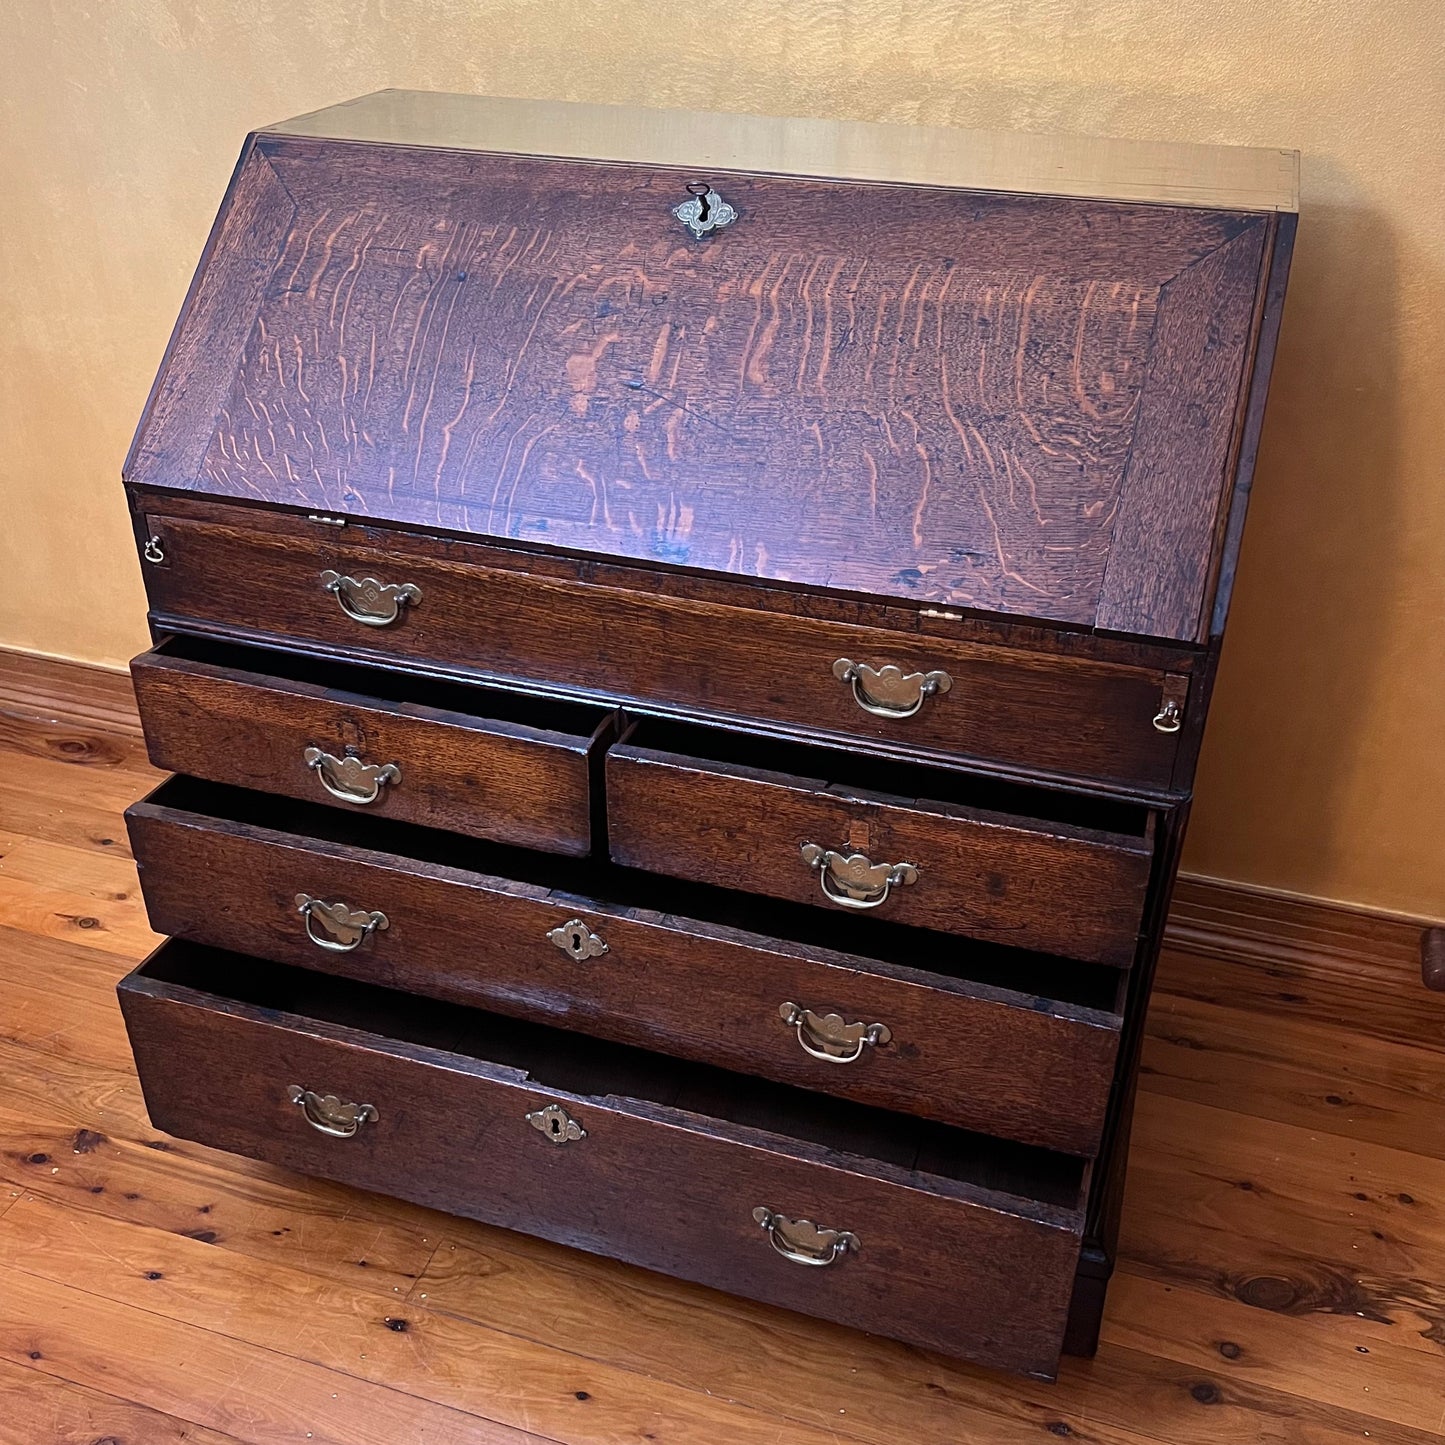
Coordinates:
(975, 1035)
(407, 599)
(476, 760)
(938, 1237)
(931, 847)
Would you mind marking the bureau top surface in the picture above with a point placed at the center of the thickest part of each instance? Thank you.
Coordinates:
(1169, 172)
(915, 363)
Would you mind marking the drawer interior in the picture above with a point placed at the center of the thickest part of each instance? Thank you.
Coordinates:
(1020, 976)
(591, 1068)
(264, 664)
(891, 781)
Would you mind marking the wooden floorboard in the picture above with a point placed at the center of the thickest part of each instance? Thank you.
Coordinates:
(1282, 1280)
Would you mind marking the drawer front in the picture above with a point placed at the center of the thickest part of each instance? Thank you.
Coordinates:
(1024, 711)
(939, 1264)
(468, 774)
(1057, 889)
(982, 1057)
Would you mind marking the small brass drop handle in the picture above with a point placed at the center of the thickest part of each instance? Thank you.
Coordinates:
(1169, 718)
(889, 691)
(349, 927)
(853, 880)
(803, 1242)
(349, 779)
(828, 1038)
(369, 602)
(329, 1114)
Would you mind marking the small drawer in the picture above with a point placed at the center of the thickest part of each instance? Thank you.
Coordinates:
(937, 1237)
(927, 847)
(393, 597)
(993, 1039)
(473, 760)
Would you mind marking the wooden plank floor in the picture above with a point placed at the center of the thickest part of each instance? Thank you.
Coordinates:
(1284, 1239)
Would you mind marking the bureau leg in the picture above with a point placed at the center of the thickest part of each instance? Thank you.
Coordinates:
(1086, 1307)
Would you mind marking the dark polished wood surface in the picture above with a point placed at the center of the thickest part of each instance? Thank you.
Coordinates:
(655, 1180)
(1020, 405)
(160, 1292)
(898, 520)
(1024, 711)
(214, 714)
(1030, 883)
(977, 1040)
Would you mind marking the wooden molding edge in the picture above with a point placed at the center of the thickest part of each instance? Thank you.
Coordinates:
(57, 690)
(1274, 929)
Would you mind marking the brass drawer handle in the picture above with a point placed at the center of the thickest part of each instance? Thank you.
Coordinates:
(827, 1038)
(350, 779)
(889, 691)
(369, 602)
(329, 1114)
(1169, 718)
(349, 927)
(802, 1241)
(852, 880)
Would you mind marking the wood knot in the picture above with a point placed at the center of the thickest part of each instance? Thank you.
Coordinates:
(1268, 1292)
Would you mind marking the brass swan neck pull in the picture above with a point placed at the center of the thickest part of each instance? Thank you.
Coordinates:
(369, 602)
(800, 1241)
(889, 691)
(349, 779)
(348, 928)
(330, 1115)
(828, 1038)
(853, 880)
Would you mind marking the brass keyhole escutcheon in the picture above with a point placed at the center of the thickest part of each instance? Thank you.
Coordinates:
(577, 941)
(704, 211)
(556, 1124)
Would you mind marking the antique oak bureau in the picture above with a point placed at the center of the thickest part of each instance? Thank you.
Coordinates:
(684, 642)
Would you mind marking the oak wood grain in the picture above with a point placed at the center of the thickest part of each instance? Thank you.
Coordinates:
(937, 391)
(1022, 711)
(979, 1055)
(487, 777)
(218, 1071)
(1064, 890)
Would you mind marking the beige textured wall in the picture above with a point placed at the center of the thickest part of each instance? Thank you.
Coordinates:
(1325, 764)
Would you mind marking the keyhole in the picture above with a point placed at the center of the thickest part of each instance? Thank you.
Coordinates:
(556, 1127)
(698, 189)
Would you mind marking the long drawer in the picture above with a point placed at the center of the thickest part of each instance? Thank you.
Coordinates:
(921, 847)
(997, 1040)
(477, 760)
(940, 1238)
(394, 598)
